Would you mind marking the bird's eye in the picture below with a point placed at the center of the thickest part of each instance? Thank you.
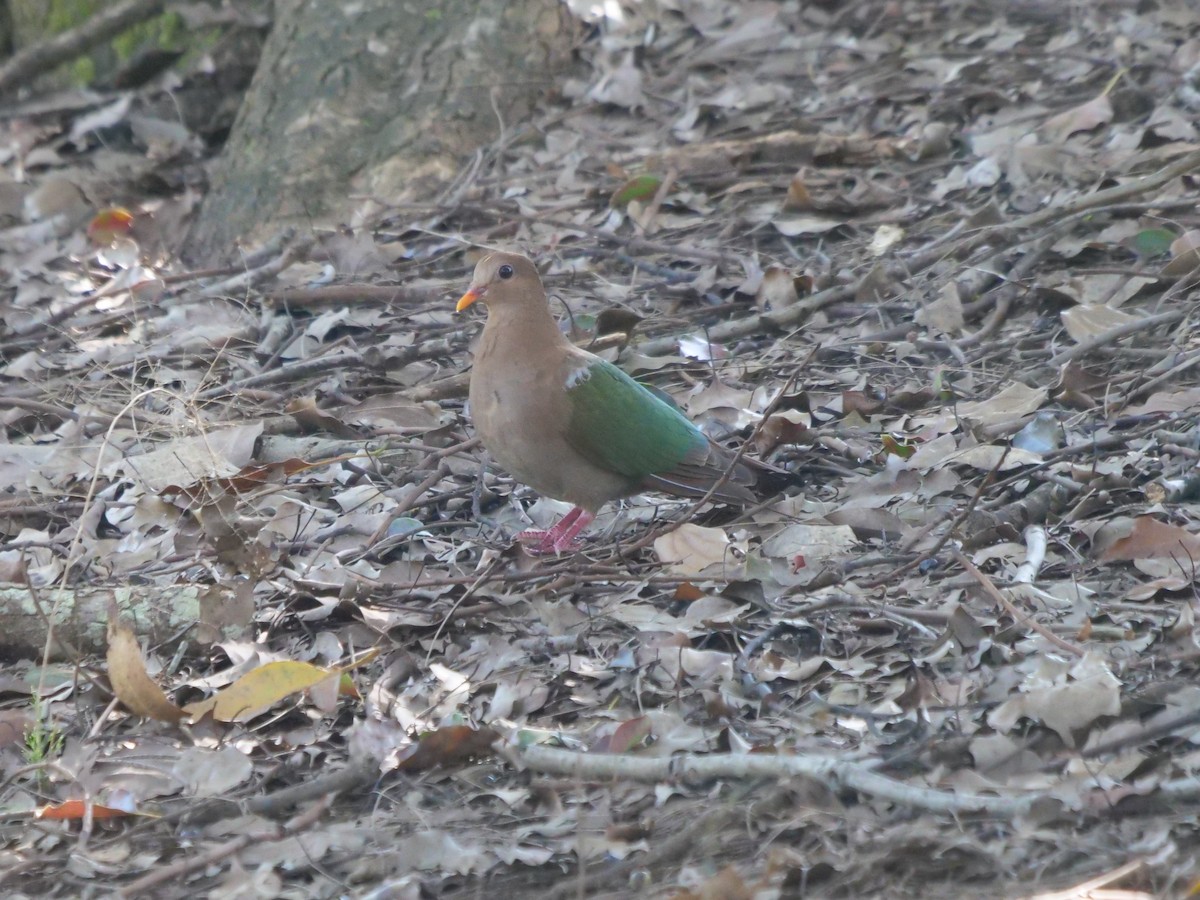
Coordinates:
(505, 271)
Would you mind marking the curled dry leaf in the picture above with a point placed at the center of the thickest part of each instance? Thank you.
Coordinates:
(1064, 698)
(1185, 255)
(690, 549)
(127, 674)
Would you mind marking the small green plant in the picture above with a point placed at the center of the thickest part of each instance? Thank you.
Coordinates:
(43, 739)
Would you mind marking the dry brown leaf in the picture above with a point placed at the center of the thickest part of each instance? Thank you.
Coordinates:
(1014, 401)
(1084, 322)
(1063, 696)
(14, 725)
(454, 745)
(1185, 255)
(944, 314)
(187, 460)
(127, 674)
(1085, 117)
(814, 542)
(1151, 538)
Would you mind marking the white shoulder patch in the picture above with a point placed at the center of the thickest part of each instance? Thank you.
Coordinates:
(578, 376)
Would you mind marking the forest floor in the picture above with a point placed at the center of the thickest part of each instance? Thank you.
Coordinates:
(938, 261)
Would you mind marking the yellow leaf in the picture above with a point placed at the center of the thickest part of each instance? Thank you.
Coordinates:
(260, 689)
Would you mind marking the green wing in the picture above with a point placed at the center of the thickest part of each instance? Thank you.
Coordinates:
(619, 425)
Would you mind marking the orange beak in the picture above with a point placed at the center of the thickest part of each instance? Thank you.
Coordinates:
(467, 299)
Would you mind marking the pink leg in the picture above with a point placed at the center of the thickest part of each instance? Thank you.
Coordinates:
(562, 536)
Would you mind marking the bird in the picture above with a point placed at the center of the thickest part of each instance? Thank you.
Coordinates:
(571, 425)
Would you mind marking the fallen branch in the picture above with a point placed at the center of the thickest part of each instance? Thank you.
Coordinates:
(836, 774)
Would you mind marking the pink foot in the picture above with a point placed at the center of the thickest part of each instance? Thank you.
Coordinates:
(561, 537)
(543, 543)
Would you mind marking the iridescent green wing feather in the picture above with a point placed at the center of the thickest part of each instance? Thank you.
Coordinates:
(620, 426)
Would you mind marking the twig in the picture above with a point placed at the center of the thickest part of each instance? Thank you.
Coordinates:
(1115, 334)
(933, 551)
(352, 776)
(1190, 361)
(1094, 887)
(1152, 730)
(340, 294)
(649, 220)
(284, 374)
(758, 324)
(633, 244)
(177, 870)
(1035, 555)
(1077, 206)
(1020, 617)
(833, 772)
(239, 283)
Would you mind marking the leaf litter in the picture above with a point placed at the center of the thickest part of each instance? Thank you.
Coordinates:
(950, 654)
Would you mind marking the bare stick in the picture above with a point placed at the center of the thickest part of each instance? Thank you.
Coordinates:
(830, 771)
(1020, 617)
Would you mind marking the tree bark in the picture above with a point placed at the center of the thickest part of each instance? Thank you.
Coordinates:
(380, 103)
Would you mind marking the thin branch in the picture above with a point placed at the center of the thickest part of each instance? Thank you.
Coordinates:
(1020, 617)
(833, 772)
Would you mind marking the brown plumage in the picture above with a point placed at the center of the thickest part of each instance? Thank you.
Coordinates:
(570, 424)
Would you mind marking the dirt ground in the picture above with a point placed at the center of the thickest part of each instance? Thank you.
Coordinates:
(936, 261)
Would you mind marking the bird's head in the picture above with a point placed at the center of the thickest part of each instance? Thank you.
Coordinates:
(501, 278)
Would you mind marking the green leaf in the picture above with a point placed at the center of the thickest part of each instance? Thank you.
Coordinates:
(637, 188)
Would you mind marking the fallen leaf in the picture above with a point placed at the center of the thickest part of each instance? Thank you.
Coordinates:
(640, 187)
(690, 549)
(1085, 322)
(127, 674)
(453, 745)
(1085, 117)
(1151, 538)
(260, 689)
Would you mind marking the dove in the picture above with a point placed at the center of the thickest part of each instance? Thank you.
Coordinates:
(571, 425)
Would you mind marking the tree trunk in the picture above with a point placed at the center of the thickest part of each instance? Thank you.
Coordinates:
(380, 100)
